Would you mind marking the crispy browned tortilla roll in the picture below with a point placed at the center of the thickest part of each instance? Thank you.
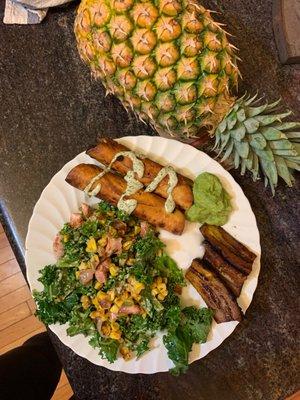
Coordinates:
(150, 207)
(107, 148)
(231, 277)
(232, 250)
(214, 293)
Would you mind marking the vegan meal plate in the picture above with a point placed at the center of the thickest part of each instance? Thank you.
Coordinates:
(127, 259)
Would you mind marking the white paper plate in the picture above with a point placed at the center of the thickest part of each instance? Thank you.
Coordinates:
(58, 200)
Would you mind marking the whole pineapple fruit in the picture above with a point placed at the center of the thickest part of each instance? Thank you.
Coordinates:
(172, 64)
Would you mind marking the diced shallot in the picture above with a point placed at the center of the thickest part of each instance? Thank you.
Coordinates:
(114, 246)
(58, 247)
(75, 220)
(101, 275)
(144, 228)
(86, 276)
(134, 309)
(85, 209)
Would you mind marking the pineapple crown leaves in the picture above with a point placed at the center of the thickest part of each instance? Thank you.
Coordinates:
(254, 137)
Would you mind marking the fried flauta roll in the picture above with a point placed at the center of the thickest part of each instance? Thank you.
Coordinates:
(230, 276)
(232, 250)
(107, 149)
(214, 293)
(150, 207)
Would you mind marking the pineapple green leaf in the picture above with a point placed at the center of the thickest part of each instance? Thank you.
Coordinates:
(253, 111)
(287, 126)
(238, 133)
(281, 145)
(251, 125)
(241, 115)
(258, 141)
(283, 171)
(242, 148)
(265, 120)
(271, 133)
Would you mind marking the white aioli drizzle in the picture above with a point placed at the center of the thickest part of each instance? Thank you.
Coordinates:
(173, 180)
(133, 185)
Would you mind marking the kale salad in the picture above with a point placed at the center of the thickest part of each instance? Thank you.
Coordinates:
(114, 282)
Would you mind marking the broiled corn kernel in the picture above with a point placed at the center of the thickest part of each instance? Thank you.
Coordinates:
(106, 329)
(95, 302)
(136, 297)
(165, 280)
(103, 241)
(114, 309)
(77, 274)
(144, 314)
(98, 285)
(118, 301)
(125, 295)
(112, 294)
(65, 238)
(113, 270)
(115, 326)
(112, 231)
(83, 266)
(154, 292)
(94, 259)
(84, 298)
(91, 246)
(110, 213)
(95, 314)
(115, 335)
(137, 230)
(101, 295)
(138, 287)
(130, 261)
(127, 245)
(161, 286)
(158, 280)
(125, 352)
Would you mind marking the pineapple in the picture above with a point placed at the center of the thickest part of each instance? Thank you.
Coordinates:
(172, 64)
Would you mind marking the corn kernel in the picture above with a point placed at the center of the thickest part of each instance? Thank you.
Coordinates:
(115, 326)
(91, 246)
(158, 280)
(101, 295)
(112, 231)
(84, 299)
(114, 309)
(126, 353)
(161, 286)
(113, 270)
(103, 241)
(95, 314)
(111, 293)
(65, 238)
(110, 213)
(105, 329)
(137, 230)
(125, 295)
(98, 285)
(127, 245)
(94, 260)
(77, 274)
(118, 301)
(136, 297)
(83, 266)
(115, 335)
(130, 261)
(95, 302)
(154, 292)
(138, 287)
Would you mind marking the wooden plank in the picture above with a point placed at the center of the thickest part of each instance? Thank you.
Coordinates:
(9, 268)
(12, 283)
(3, 240)
(19, 329)
(31, 304)
(63, 380)
(63, 393)
(6, 254)
(20, 341)
(14, 298)
(16, 314)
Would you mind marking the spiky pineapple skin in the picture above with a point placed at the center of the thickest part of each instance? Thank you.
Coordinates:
(167, 60)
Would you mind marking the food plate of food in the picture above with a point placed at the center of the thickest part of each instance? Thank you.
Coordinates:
(143, 254)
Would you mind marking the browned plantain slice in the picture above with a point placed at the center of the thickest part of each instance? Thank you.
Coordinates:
(214, 293)
(232, 278)
(106, 150)
(232, 250)
(150, 207)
